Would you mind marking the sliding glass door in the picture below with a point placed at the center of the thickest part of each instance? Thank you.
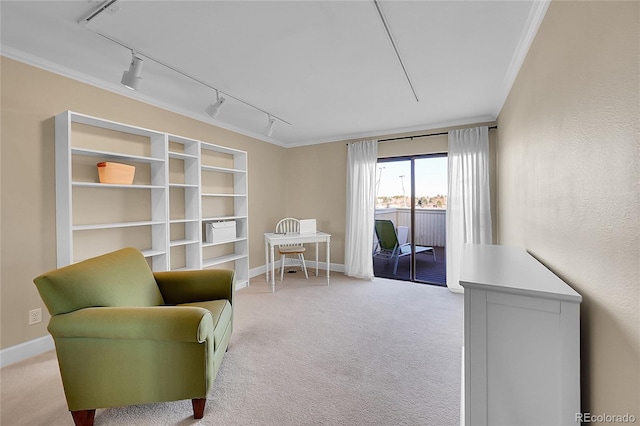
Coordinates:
(411, 194)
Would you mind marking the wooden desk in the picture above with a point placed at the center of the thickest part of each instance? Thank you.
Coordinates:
(272, 239)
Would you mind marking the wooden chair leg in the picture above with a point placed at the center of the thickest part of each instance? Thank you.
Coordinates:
(198, 407)
(83, 417)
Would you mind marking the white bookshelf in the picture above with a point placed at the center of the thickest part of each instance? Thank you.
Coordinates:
(163, 212)
(185, 234)
(227, 202)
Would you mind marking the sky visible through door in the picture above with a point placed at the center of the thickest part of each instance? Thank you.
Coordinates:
(393, 183)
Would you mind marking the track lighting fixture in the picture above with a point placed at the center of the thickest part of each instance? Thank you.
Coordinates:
(272, 122)
(214, 109)
(131, 79)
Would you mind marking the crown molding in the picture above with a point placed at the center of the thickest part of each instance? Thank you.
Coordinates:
(63, 71)
(534, 20)
(382, 134)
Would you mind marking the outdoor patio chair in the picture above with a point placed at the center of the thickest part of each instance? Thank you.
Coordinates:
(388, 246)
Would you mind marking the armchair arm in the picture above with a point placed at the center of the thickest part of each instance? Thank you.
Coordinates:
(175, 323)
(196, 286)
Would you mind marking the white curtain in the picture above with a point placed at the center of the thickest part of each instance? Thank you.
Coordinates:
(468, 199)
(361, 202)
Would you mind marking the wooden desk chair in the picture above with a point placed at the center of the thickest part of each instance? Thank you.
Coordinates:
(290, 224)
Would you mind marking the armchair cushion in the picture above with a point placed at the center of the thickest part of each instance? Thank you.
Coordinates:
(194, 286)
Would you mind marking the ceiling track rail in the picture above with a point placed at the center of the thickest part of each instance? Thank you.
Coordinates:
(189, 76)
(395, 47)
(101, 8)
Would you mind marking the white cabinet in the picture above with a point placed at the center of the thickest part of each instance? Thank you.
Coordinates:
(521, 340)
(179, 185)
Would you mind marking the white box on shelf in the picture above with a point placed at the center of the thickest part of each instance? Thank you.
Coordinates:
(219, 232)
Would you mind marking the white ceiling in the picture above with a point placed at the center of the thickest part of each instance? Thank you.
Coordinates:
(326, 67)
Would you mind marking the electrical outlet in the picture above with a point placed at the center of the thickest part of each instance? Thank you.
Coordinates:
(35, 316)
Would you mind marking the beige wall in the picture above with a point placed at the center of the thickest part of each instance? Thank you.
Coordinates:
(30, 99)
(316, 188)
(568, 160)
(317, 181)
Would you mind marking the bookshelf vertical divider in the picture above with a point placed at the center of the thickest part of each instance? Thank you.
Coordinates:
(164, 212)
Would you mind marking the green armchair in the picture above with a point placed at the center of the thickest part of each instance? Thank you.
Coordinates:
(125, 335)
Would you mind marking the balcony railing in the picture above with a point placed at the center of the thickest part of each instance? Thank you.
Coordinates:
(431, 224)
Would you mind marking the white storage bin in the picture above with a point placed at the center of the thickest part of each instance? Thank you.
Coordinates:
(219, 232)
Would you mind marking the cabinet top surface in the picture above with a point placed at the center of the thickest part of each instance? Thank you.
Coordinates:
(512, 270)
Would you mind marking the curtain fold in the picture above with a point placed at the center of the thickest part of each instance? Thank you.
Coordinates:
(468, 198)
(361, 184)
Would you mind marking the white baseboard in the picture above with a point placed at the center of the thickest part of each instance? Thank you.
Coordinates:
(322, 266)
(257, 271)
(26, 350)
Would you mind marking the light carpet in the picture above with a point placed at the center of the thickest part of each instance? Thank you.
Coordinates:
(379, 352)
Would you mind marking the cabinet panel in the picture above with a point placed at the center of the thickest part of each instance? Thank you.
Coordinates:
(522, 364)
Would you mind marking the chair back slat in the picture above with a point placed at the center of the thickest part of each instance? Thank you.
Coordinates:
(288, 224)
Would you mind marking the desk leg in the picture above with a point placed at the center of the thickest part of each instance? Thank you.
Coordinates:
(317, 259)
(273, 270)
(266, 261)
(328, 258)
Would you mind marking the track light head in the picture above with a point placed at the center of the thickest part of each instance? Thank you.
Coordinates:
(272, 122)
(214, 109)
(131, 79)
